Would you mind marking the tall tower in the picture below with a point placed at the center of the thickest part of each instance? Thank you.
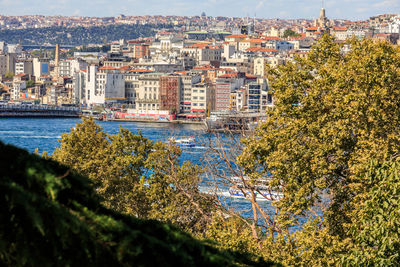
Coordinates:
(322, 13)
(57, 63)
(322, 22)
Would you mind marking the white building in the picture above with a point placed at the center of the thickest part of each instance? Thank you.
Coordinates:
(40, 67)
(394, 26)
(67, 68)
(199, 98)
(188, 81)
(17, 88)
(104, 85)
(24, 67)
(148, 94)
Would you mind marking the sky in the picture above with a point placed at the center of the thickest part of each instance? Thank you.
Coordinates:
(285, 9)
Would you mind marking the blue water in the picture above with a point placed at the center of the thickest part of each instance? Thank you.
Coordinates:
(43, 134)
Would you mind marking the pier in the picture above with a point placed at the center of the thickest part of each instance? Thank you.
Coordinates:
(40, 111)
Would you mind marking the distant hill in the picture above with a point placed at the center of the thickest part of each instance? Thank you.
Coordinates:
(78, 35)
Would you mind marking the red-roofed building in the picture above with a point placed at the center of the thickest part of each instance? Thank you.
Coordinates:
(235, 38)
(268, 38)
(263, 51)
(250, 43)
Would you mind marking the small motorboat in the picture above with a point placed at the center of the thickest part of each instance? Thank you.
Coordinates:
(184, 142)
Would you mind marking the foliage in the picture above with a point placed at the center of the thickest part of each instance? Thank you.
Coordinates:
(137, 176)
(232, 233)
(312, 245)
(78, 35)
(334, 111)
(52, 216)
(9, 75)
(290, 33)
(375, 226)
(30, 84)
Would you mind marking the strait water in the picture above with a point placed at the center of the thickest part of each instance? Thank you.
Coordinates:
(32, 133)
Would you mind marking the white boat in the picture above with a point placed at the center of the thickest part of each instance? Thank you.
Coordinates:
(261, 190)
(184, 142)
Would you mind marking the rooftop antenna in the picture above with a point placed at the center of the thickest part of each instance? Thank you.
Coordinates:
(322, 3)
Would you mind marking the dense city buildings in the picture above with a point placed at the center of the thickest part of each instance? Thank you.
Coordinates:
(192, 66)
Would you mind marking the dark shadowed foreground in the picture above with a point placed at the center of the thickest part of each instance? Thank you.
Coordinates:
(51, 216)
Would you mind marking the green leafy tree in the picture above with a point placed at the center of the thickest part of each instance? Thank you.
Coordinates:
(334, 111)
(375, 222)
(137, 176)
(9, 75)
(290, 33)
(30, 84)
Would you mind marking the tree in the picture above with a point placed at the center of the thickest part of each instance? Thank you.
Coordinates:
(334, 112)
(290, 33)
(9, 75)
(30, 84)
(51, 215)
(137, 176)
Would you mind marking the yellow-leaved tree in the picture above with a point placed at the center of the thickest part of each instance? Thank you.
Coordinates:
(137, 176)
(334, 112)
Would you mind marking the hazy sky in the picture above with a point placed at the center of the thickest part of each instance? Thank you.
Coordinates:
(347, 9)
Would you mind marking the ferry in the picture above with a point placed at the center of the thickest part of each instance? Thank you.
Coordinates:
(184, 142)
(232, 121)
(262, 191)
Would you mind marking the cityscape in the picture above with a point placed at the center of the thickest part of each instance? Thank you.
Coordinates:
(199, 140)
(195, 67)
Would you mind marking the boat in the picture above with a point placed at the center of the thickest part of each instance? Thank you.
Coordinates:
(262, 191)
(184, 142)
(232, 121)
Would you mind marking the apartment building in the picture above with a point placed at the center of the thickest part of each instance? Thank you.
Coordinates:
(170, 87)
(147, 94)
(7, 63)
(200, 98)
(104, 85)
(41, 67)
(225, 85)
(24, 67)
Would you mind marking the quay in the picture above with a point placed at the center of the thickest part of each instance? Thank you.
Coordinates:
(38, 111)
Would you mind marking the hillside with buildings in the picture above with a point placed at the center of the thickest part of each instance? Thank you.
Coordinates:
(194, 66)
(77, 35)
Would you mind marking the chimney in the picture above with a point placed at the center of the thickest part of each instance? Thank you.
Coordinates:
(57, 62)
(57, 56)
